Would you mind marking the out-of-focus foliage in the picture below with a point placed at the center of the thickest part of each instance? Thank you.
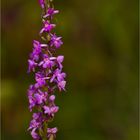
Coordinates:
(101, 60)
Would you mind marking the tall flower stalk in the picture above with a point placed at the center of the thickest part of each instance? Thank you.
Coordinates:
(48, 74)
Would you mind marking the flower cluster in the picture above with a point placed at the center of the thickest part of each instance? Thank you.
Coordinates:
(48, 75)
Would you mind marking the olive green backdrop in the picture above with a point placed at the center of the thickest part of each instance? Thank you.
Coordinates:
(101, 61)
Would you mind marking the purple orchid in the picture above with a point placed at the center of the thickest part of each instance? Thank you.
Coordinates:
(52, 132)
(31, 102)
(60, 60)
(56, 41)
(49, 77)
(58, 76)
(42, 3)
(61, 85)
(46, 63)
(39, 98)
(51, 12)
(50, 110)
(52, 98)
(32, 65)
(47, 27)
(34, 134)
(40, 79)
(37, 50)
(35, 124)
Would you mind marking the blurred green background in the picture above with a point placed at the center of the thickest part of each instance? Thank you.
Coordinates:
(101, 61)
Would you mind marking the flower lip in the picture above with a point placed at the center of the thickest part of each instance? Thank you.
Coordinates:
(61, 85)
(60, 58)
(32, 65)
(52, 98)
(42, 3)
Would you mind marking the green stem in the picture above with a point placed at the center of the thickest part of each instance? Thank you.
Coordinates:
(45, 131)
(51, 137)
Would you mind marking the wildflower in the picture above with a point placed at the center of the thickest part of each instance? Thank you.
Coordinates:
(47, 27)
(31, 102)
(39, 98)
(34, 134)
(61, 85)
(51, 12)
(42, 3)
(48, 76)
(46, 63)
(32, 65)
(37, 50)
(52, 132)
(58, 76)
(56, 41)
(52, 98)
(35, 124)
(50, 110)
(40, 79)
(60, 60)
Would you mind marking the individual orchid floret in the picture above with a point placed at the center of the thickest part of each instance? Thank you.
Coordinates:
(37, 50)
(32, 102)
(42, 3)
(47, 27)
(55, 41)
(51, 110)
(51, 12)
(58, 76)
(37, 116)
(40, 79)
(60, 59)
(37, 45)
(52, 98)
(35, 124)
(34, 134)
(39, 98)
(61, 85)
(52, 132)
(31, 90)
(32, 65)
(47, 63)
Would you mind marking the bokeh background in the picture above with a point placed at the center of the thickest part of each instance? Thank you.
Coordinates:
(101, 61)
